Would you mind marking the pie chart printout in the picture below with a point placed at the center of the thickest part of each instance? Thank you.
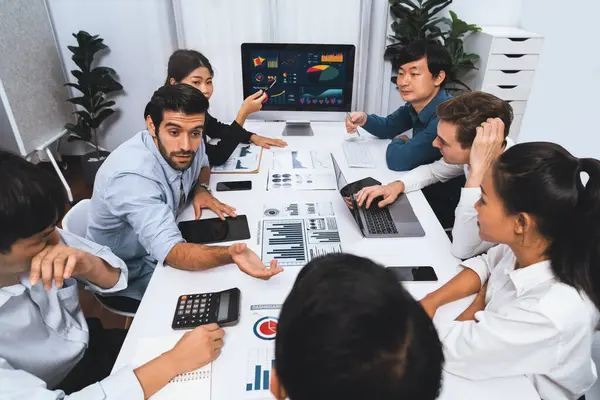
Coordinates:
(266, 328)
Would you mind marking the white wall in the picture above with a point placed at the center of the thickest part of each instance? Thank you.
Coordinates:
(141, 37)
(563, 105)
(480, 12)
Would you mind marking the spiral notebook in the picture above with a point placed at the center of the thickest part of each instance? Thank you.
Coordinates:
(192, 385)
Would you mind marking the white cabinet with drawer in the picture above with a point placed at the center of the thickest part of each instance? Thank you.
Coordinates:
(508, 58)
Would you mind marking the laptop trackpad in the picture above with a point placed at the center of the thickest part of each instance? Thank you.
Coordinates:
(402, 211)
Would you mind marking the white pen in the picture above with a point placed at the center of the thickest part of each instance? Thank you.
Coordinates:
(351, 120)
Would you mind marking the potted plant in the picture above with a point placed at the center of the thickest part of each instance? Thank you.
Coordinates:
(420, 20)
(94, 83)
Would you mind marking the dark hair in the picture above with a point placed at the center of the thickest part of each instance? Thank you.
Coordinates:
(31, 200)
(182, 98)
(438, 58)
(349, 330)
(544, 180)
(182, 62)
(470, 110)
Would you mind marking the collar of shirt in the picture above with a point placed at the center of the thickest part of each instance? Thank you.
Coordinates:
(428, 112)
(530, 277)
(171, 173)
(14, 290)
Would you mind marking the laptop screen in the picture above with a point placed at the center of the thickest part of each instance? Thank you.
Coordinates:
(339, 177)
(346, 194)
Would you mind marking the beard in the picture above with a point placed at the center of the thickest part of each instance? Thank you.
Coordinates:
(170, 157)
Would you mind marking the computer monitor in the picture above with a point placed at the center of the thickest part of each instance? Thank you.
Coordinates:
(304, 82)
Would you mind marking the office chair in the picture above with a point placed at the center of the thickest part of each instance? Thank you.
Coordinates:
(75, 221)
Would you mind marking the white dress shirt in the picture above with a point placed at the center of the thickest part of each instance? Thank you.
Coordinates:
(465, 232)
(44, 334)
(532, 325)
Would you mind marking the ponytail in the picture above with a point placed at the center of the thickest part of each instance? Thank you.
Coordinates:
(583, 246)
(544, 180)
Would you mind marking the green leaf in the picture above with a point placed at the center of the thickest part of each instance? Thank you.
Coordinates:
(82, 101)
(73, 138)
(409, 3)
(80, 130)
(102, 115)
(105, 104)
(76, 86)
(440, 8)
(77, 74)
(85, 117)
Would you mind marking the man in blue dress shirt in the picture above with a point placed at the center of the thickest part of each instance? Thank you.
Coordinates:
(423, 68)
(146, 181)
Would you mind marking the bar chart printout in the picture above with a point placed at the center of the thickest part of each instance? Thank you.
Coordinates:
(258, 377)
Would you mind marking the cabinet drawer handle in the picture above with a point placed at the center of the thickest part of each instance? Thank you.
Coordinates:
(515, 39)
(507, 86)
(510, 71)
(514, 55)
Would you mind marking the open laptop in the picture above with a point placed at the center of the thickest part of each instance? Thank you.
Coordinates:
(396, 220)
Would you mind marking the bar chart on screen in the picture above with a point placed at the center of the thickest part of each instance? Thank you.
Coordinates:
(258, 377)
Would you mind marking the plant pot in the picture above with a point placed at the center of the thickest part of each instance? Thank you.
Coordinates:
(90, 165)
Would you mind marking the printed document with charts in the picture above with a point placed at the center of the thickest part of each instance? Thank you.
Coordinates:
(192, 385)
(295, 233)
(301, 170)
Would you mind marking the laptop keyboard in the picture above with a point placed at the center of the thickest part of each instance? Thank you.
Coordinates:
(379, 221)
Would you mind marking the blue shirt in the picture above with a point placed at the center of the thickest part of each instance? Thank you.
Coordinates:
(44, 335)
(401, 155)
(134, 206)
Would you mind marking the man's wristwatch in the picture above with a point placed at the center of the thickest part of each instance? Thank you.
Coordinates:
(205, 186)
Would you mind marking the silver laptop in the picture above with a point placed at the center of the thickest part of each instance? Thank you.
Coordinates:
(396, 220)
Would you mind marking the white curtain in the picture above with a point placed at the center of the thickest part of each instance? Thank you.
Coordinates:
(217, 28)
(330, 21)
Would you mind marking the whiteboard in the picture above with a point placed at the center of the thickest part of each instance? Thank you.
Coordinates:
(31, 78)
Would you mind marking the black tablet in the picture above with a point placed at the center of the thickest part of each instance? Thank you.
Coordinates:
(215, 230)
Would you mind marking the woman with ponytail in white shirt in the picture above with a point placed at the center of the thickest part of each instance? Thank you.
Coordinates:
(538, 292)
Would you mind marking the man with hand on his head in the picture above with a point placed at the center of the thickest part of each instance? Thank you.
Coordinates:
(472, 133)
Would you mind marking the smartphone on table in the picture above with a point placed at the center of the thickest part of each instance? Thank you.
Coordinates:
(233, 186)
(414, 274)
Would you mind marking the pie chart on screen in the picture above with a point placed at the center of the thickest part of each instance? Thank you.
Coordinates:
(266, 328)
(322, 73)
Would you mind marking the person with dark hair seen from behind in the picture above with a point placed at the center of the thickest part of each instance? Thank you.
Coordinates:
(144, 184)
(349, 330)
(423, 69)
(538, 292)
(49, 350)
(472, 133)
(193, 68)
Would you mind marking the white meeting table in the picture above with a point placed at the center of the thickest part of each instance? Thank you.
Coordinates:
(155, 313)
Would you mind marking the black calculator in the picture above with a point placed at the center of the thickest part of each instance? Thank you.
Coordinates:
(206, 308)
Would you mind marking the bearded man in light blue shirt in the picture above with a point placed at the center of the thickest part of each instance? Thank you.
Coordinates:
(145, 182)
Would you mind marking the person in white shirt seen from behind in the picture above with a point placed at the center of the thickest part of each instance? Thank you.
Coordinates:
(538, 291)
(471, 134)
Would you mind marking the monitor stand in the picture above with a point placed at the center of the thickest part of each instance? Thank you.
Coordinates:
(298, 128)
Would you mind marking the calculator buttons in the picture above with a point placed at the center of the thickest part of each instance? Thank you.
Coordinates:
(196, 309)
